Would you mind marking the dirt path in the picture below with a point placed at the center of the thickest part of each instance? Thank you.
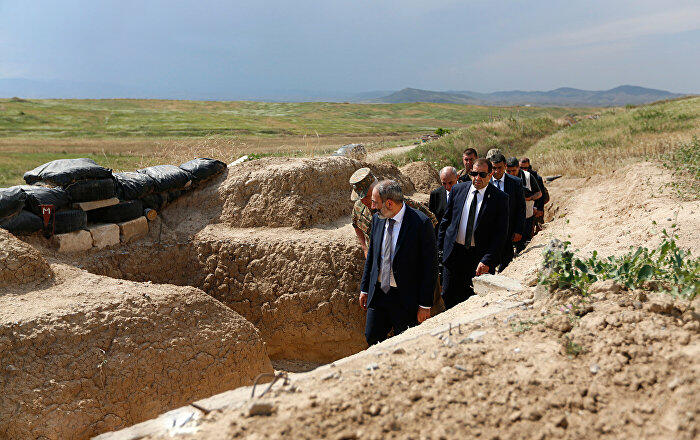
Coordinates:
(375, 156)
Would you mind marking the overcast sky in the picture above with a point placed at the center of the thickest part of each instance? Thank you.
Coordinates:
(248, 47)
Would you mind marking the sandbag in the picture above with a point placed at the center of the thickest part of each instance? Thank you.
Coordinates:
(203, 168)
(91, 190)
(133, 185)
(63, 172)
(11, 201)
(69, 221)
(122, 212)
(41, 195)
(24, 222)
(153, 201)
(168, 177)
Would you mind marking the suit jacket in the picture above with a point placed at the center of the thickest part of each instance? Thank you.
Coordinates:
(513, 186)
(414, 264)
(438, 202)
(490, 229)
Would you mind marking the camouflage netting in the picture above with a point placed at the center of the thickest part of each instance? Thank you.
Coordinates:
(20, 263)
(423, 176)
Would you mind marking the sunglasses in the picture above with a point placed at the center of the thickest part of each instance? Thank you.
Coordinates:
(481, 174)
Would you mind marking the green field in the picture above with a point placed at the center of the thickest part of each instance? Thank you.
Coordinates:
(125, 134)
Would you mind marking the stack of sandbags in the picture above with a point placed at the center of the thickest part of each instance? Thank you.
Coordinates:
(13, 216)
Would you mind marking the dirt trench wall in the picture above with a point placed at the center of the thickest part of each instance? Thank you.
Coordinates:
(302, 295)
(424, 177)
(291, 192)
(95, 354)
(20, 263)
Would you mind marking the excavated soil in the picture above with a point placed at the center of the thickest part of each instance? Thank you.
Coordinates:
(298, 193)
(423, 176)
(20, 263)
(616, 364)
(88, 354)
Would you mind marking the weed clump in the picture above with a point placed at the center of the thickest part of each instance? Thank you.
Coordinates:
(667, 268)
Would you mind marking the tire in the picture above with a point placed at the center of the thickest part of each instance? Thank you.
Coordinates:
(122, 212)
(69, 221)
(153, 201)
(91, 190)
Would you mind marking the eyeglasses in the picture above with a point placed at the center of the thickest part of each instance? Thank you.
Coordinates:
(481, 174)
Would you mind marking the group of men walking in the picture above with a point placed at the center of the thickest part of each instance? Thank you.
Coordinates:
(477, 219)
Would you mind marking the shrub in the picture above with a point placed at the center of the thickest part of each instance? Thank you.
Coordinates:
(667, 267)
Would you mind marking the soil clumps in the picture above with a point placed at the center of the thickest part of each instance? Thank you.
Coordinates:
(423, 176)
(20, 263)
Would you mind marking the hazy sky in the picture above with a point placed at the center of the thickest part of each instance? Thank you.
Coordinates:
(248, 47)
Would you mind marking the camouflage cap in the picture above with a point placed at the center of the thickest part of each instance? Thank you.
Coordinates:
(361, 180)
(492, 152)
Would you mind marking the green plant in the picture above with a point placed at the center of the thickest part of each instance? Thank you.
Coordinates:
(523, 326)
(441, 131)
(671, 268)
(684, 162)
(572, 349)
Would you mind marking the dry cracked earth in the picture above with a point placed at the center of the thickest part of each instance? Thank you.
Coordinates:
(260, 270)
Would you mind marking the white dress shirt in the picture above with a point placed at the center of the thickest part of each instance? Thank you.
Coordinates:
(462, 232)
(398, 219)
(500, 183)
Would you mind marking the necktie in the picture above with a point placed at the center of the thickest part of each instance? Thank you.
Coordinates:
(498, 184)
(470, 220)
(387, 257)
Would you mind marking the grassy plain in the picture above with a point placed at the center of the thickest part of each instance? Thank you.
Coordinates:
(125, 134)
(615, 137)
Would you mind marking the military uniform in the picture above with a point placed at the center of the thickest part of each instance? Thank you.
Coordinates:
(362, 218)
(463, 176)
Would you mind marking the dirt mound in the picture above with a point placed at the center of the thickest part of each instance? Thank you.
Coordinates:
(93, 354)
(20, 263)
(293, 192)
(423, 176)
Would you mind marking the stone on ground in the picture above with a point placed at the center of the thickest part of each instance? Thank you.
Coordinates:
(104, 235)
(77, 241)
(133, 229)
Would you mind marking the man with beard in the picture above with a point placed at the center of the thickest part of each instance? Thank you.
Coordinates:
(401, 266)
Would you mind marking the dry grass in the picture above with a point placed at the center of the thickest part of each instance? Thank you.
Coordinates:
(619, 136)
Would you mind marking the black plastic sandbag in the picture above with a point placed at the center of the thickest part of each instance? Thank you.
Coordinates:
(154, 201)
(23, 223)
(168, 177)
(91, 190)
(41, 195)
(133, 185)
(63, 172)
(124, 211)
(69, 220)
(203, 168)
(11, 201)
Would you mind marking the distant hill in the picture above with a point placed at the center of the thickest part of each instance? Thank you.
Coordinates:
(564, 96)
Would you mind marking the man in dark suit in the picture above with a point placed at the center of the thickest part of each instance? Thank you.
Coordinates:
(512, 186)
(401, 266)
(439, 196)
(472, 233)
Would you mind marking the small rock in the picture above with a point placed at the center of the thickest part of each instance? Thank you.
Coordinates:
(330, 376)
(260, 408)
(399, 351)
(416, 396)
(560, 323)
(515, 416)
(637, 304)
(476, 336)
(460, 368)
(486, 303)
(375, 410)
(10, 368)
(516, 350)
(594, 368)
(560, 421)
(674, 383)
(372, 366)
(601, 286)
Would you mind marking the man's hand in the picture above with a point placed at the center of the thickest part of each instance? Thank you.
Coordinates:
(539, 213)
(482, 269)
(363, 301)
(517, 237)
(364, 249)
(423, 314)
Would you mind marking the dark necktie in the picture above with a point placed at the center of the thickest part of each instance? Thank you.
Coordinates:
(387, 257)
(470, 220)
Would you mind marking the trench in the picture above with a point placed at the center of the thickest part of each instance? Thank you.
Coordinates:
(299, 292)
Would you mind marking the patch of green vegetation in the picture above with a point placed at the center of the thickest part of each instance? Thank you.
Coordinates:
(523, 326)
(668, 267)
(572, 348)
(684, 161)
(512, 136)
